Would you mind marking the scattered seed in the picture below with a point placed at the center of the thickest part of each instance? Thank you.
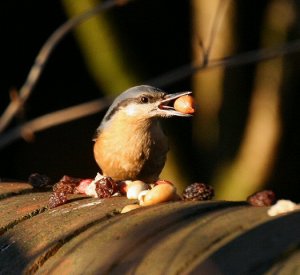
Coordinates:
(129, 207)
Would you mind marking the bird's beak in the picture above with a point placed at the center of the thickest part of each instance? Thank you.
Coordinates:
(166, 105)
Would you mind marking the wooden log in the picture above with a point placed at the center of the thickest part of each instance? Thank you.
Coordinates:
(12, 188)
(90, 236)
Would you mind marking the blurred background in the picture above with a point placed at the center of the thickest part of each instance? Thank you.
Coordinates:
(245, 135)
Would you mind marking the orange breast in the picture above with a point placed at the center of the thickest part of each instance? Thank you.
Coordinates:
(131, 152)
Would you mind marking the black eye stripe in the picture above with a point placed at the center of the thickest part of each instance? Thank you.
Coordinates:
(146, 99)
(128, 101)
(121, 104)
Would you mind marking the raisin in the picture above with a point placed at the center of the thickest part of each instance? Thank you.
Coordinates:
(72, 180)
(67, 185)
(262, 198)
(106, 187)
(198, 191)
(38, 180)
(56, 199)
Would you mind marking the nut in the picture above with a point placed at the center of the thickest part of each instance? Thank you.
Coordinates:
(129, 207)
(281, 207)
(185, 104)
(90, 189)
(142, 195)
(134, 188)
(163, 182)
(159, 193)
(83, 185)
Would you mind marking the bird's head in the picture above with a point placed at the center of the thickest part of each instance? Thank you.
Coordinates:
(143, 103)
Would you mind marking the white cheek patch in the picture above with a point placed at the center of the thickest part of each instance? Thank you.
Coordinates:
(131, 110)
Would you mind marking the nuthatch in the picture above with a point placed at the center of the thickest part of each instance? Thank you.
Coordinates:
(130, 143)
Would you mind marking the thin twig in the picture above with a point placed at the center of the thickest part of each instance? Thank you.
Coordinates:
(206, 50)
(218, 18)
(43, 56)
(204, 53)
(95, 106)
(237, 60)
(53, 119)
(92, 107)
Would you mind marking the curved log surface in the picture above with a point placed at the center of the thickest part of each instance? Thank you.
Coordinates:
(90, 236)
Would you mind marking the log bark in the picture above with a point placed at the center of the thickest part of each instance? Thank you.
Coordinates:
(90, 236)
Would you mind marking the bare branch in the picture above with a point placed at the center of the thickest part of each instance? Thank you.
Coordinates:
(220, 12)
(94, 106)
(43, 56)
(89, 108)
(204, 53)
(29, 128)
(237, 60)
(85, 109)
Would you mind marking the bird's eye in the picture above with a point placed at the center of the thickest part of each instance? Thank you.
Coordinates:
(144, 99)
